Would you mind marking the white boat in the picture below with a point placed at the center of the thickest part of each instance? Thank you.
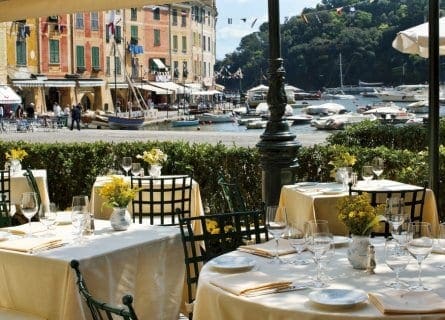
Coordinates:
(391, 114)
(215, 117)
(336, 95)
(340, 121)
(404, 93)
(299, 119)
(263, 110)
(418, 107)
(246, 120)
(186, 122)
(258, 94)
(260, 124)
(327, 108)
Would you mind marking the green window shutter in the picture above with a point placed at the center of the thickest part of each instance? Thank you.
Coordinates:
(80, 56)
(117, 65)
(118, 34)
(107, 71)
(157, 37)
(175, 43)
(21, 53)
(54, 57)
(95, 62)
(184, 44)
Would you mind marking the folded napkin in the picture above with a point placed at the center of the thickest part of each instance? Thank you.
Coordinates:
(31, 245)
(23, 229)
(407, 302)
(267, 249)
(250, 283)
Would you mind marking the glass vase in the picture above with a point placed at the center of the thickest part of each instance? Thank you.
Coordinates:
(155, 170)
(358, 252)
(120, 218)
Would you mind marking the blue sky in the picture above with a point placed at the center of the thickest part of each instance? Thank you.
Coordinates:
(228, 36)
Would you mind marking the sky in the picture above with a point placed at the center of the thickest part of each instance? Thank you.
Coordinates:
(228, 36)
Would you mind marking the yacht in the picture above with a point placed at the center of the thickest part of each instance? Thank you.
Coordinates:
(404, 93)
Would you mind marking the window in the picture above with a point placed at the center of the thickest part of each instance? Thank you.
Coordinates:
(80, 57)
(204, 42)
(20, 47)
(183, 18)
(107, 70)
(134, 14)
(175, 17)
(117, 65)
(204, 72)
(184, 69)
(79, 21)
(95, 61)
(157, 37)
(175, 43)
(156, 14)
(54, 57)
(208, 43)
(175, 69)
(184, 44)
(94, 21)
(208, 18)
(118, 34)
(134, 35)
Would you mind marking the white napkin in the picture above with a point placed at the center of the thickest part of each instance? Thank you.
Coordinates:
(23, 229)
(31, 245)
(250, 283)
(407, 302)
(267, 249)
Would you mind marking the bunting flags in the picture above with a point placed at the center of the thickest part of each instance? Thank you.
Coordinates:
(224, 73)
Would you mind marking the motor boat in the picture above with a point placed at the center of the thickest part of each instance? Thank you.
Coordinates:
(328, 108)
(391, 114)
(299, 119)
(340, 121)
(404, 93)
(263, 110)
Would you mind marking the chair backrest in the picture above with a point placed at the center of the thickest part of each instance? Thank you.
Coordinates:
(162, 200)
(232, 195)
(34, 187)
(101, 310)
(5, 198)
(414, 200)
(206, 237)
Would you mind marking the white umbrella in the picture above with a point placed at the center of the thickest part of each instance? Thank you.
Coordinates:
(415, 40)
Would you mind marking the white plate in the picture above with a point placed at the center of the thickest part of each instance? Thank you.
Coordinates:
(230, 263)
(306, 184)
(340, 240)
(334, 191)
(338, 297)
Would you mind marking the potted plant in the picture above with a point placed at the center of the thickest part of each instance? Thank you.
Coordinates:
(155, 158)
(14, 157)
(341, 159)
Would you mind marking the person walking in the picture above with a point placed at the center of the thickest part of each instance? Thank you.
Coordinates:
(2, 114)
(76, 112)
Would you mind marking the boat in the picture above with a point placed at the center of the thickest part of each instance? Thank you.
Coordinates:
(299, 119)
(258, 94)
(327, 108)
(263, 110)
(391, 114)
(186, 122)
(95, 118)
(117, 122)
(208, 117)
(418, 107)
(244, 120)
(256, 124)
(336, 95)
(341, 121)
(404, 93)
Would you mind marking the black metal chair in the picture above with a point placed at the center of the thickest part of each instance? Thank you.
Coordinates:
(162, 200)
(221, 233)
(5, 198)
(414, 200)
(101, 310)
(232, 195)
(35, 188)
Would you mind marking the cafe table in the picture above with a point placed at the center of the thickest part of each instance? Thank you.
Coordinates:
(101, 211)
(19, 184)
(217, 303)
(315, 200)
(144, 261)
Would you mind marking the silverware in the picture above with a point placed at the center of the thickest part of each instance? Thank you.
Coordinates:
(277, 290)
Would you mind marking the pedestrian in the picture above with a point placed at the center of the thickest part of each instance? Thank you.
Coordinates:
(76, 112)
(30, 111)
(57, 109)
(2, 114)
(19, 112)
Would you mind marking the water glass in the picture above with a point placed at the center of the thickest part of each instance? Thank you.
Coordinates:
(126, 164)
(420, 247)
(395, 215)
(80, 215)
(367, 173)
(29, 207)
(276, 225)
(396, 258)
(135, 169)
(297, 240)
(378, 166)
(49, 216)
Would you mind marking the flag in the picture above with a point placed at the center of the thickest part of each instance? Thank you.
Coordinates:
(253, 23)
(110, 21)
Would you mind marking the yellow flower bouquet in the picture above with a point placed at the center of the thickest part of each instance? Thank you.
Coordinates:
(358, 215)
(153, 157)
(117, 192)
(16, 154)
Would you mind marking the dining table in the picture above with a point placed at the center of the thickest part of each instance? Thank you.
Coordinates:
(224, 284)
(144, 261)
(318, 201)
(101, 211)
(19, 185)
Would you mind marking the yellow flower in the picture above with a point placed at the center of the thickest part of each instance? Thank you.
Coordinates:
(153, 157)
(117, 192)
(16, 154)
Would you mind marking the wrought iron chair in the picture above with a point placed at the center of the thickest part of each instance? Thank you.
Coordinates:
(101, 310)
(414, 200)
(162, 200)
(5, 198)
(35, 188)
(221, 233)
(232, 195)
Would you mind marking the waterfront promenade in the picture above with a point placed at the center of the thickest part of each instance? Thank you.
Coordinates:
(65, 135)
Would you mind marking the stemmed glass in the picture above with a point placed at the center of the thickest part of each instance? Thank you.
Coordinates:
(441, 240)
(327, 257)
(79, 215)
(397, 258)
(377, 166)
(319, 242)
(49, 216)
(276, 225)
(126, 164)
(346, 176)
(297, 240)
(367, 173)
(29, 207)
(395, 215)
(135, 169)
(420, 247)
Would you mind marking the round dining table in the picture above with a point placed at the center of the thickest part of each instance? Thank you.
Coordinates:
(215, 299)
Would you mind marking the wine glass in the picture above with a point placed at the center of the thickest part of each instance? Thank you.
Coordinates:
(395, 215)
(135, 169)
(346, 176)
(126, 164)
(319, 244)
(396, 258)
(79, 215)
(441, 240)
(29, 206)
(327, 257)
(276, 225)
(367, 173)
(297, 240)
(420, 247)
(49, 216)
(378, 166)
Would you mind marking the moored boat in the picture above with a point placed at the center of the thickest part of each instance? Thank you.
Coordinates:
(325, 109)
(215, 117)
(340, 121)
(190, 122)
(118, 123)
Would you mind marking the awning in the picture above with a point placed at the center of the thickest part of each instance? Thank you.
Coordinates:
(27, 83)
(59, 83)
(118, 85)
(8, 96)
(90, 83)
(194, 86)
(159, 63)
(171, 86)
(148, 87)
(206, 93)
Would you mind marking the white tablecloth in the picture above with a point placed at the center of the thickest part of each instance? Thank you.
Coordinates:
(19, 184)
(145, 261)
(213, 303)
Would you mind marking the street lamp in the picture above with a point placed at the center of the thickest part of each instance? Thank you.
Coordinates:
(278, 147)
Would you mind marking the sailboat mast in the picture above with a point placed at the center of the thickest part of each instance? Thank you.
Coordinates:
(341, 73)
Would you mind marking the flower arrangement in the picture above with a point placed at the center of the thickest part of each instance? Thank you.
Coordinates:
(117, 192)
(213, 228)
(153, 157)
(16, 154)
(342, 159)
(358, 215)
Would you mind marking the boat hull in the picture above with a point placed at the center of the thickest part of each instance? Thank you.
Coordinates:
(118, 123)
(185, 123)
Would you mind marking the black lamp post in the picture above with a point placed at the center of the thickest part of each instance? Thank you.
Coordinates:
(278, 147)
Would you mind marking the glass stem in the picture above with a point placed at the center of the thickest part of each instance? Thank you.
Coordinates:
(276, 250)
(318, 270)
(419, 275)
(30, 228)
